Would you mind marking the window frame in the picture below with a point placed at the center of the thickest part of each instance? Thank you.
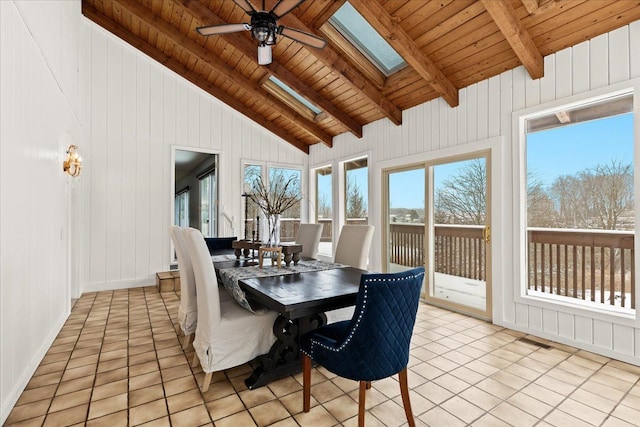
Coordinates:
(265, 168)
(212, 196)
(360, 46)
(338, 185)
(520, 270)
(314, 172)
(181, 203)
(345, 191)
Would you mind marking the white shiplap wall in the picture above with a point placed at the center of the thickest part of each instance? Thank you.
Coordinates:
(136, 111)
(484, 120)
(38, 120)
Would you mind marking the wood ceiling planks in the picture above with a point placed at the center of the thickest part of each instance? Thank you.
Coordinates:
(461, 42)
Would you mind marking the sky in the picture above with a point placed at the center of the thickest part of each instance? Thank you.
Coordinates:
(570, 149)
(550, 153)
(359, 177)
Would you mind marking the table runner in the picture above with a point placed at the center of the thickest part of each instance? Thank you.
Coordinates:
(224, 257)
(230, 276)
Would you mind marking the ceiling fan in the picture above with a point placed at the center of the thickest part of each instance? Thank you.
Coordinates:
(264, 27)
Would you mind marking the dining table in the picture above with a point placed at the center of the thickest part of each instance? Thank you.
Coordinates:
(301, 300)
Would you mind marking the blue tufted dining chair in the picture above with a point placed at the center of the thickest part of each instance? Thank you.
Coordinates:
(374, 344)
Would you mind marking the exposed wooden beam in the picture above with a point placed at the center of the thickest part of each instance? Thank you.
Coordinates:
(537, 6)
(530, 5)
(261, 95)
(328, 11)
(517, 36)
(205, 16)
(91, 13)
(349, 74)
(348, 50)
(378, 17)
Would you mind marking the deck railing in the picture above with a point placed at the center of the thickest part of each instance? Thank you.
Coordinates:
(592, 265)
(460, 251)
(406, 244)
(589, 265)
(327, 229)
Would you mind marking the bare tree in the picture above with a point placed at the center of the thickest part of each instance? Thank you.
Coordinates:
(462, 199)
(540, 209)
(596, 197)
(324, 208)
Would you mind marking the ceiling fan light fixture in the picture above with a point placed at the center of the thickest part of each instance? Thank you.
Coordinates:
(264, 55)
(263, 28)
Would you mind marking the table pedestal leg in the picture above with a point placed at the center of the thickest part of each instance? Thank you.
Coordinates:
(287, 259)
(284, 357)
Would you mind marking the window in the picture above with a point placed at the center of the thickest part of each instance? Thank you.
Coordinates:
(288, 95)
(182, 208)
(580, 203)
(356, 191)
(252, 213)
(363, 36)
(290, 218)
(324, 208)
(208, 197)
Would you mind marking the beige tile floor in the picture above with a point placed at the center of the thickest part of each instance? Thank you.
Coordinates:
(118, 362)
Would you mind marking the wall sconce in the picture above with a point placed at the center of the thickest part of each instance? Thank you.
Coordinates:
(73, 163)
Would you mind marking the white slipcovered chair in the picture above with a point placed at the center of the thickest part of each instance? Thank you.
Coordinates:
(227, 335)
(353, 245)
(309, 236)
(352, 250)
(188, 309)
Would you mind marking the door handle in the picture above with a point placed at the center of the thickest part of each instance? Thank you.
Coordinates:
(486, 234)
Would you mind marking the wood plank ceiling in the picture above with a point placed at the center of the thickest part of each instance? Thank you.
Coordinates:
(447, 45)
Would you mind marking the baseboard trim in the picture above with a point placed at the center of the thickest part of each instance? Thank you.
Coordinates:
(119, 284)
(627, 358)
(13, 396)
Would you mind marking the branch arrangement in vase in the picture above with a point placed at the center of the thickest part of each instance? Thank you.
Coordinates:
(281, 194)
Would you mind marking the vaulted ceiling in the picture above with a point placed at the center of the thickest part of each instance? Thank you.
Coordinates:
(447, 45)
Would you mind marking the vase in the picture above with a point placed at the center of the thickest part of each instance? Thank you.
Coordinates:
(273, 224)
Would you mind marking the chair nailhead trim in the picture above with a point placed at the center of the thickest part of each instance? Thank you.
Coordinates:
(364, 305)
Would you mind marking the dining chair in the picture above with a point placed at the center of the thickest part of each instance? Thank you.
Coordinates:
(353, 245)
(352, 250)
(374, 344)
(188, 309)
(226, 335)
(309, 237)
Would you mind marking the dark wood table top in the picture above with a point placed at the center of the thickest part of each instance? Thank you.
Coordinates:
(303, 294)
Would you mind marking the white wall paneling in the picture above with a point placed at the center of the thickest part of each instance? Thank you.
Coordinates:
(63, 78)
(550, 321)
(566, 326)
(485, 111)
(38, 120)
(583, 329)
(138, 111)
(623, 337)
(602, 334)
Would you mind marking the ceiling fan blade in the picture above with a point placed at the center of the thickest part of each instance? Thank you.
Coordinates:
(222, 29)
(246, 6)
(285, 6)
(302, 37)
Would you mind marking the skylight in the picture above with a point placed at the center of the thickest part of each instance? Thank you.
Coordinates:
(296, 95)
(363, 36)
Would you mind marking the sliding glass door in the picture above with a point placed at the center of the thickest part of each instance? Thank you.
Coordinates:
(437, 215)
(405, 215)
